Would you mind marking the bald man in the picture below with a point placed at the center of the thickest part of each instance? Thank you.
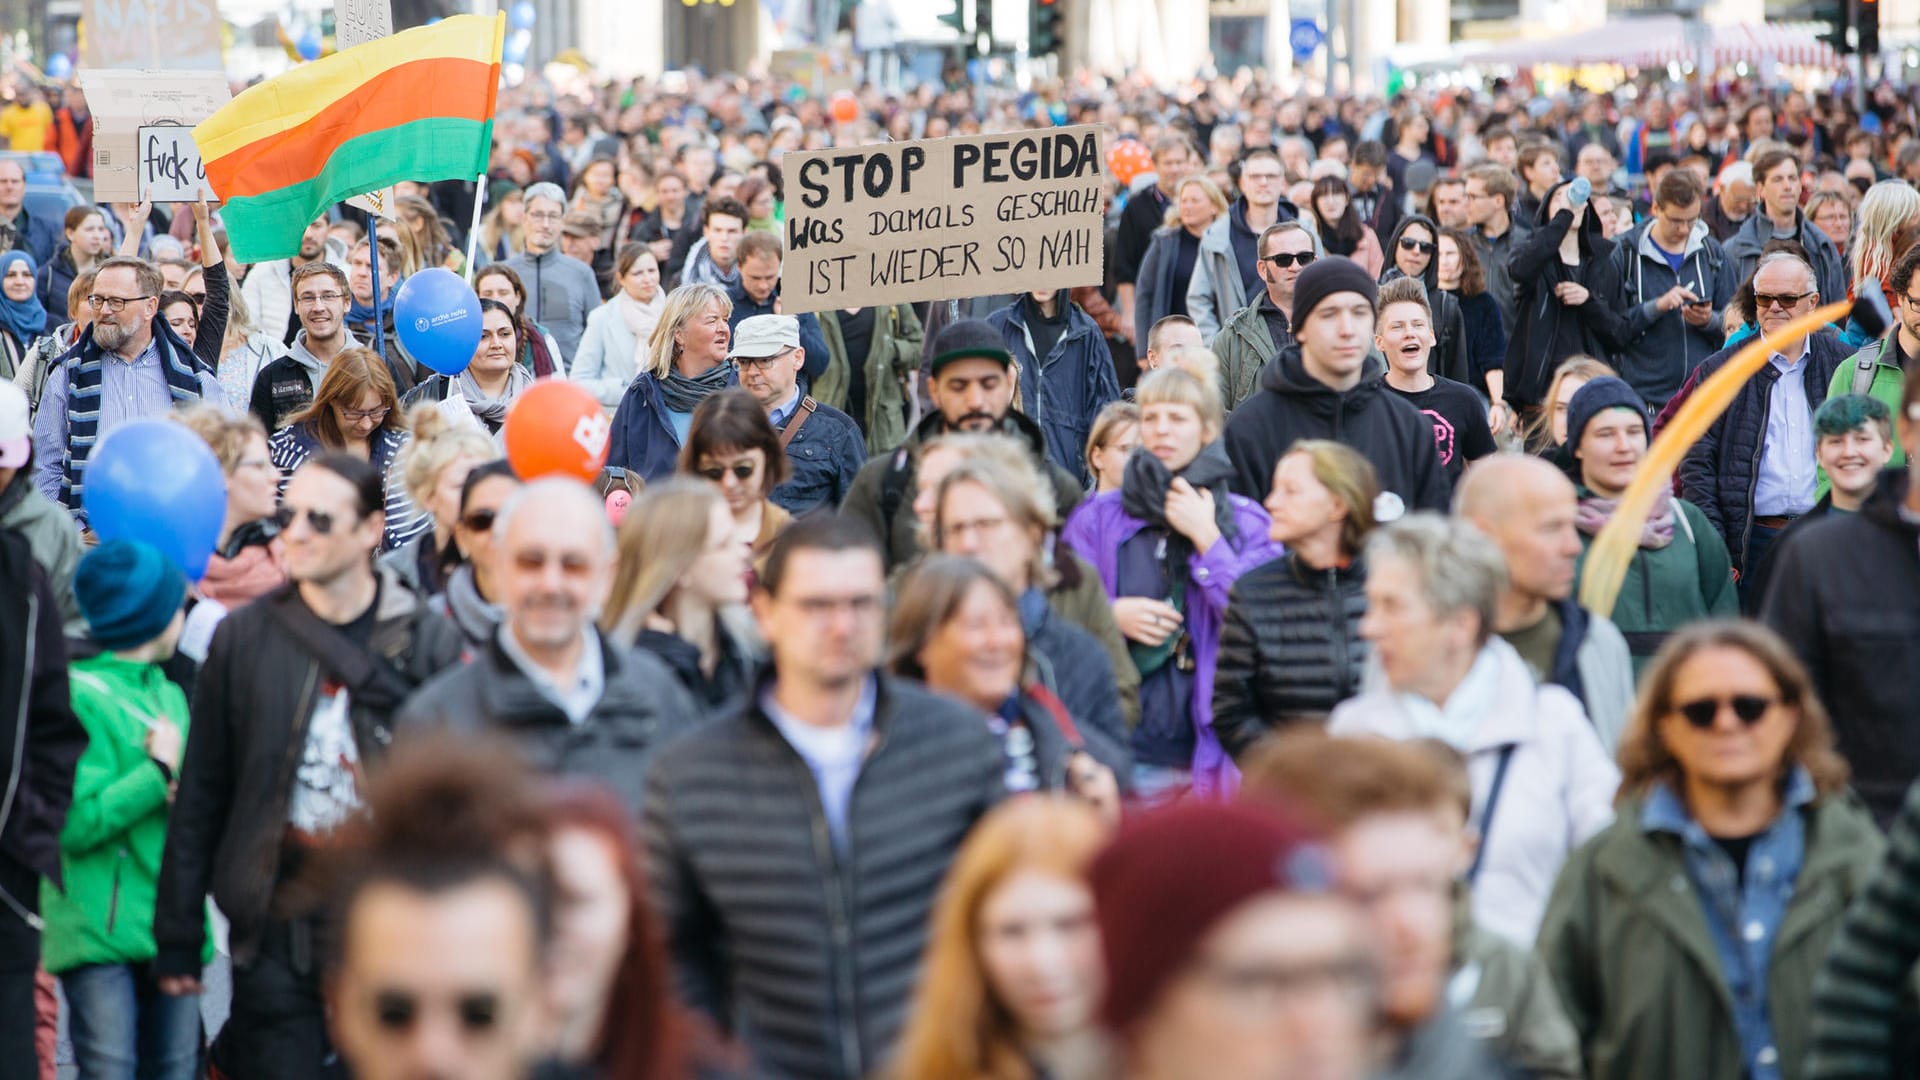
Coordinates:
(573, 701)
(1528, 507)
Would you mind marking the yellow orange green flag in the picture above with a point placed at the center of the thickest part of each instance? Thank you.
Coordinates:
(414, 106)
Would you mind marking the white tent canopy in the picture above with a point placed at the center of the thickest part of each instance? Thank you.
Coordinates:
(1661, 39)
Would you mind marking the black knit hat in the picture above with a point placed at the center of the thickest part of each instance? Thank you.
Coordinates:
(965, 339)
(1596, 397)
(1323, 278)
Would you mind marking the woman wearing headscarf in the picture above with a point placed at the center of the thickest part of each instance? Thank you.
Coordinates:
(22, 319)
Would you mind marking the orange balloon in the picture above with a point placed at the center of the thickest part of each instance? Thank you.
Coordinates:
(844, 108)
(557, 427)
(1127, 159)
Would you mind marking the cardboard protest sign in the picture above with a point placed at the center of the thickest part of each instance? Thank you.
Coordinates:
(123, 102)
(356, 22)
(184, 34)
(170, 169)
(943, 219)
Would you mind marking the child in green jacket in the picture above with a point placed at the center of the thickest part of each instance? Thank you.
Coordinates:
(99, 930)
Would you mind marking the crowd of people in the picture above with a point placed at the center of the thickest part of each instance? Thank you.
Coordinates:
(1236, 715)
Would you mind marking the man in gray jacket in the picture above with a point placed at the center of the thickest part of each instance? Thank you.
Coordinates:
(1224, 273)
(574, 702)
(795, 848)
(1673, 313)
(1779, 217)
(561, 290)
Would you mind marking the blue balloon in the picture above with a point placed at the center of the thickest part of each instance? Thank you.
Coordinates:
(59, 66)
(437, 317)
(309, 45)
(521, 15)
(515, 49)
(157, 482)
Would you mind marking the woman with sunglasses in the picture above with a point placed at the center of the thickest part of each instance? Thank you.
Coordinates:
(355, 411)
(1686, 937)
(1341, 230)
(1415, 253)
(492, 381)
(732, 445)
(471, 600)
(434, 468)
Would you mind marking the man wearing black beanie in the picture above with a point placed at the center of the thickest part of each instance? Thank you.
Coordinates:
(1323, 385)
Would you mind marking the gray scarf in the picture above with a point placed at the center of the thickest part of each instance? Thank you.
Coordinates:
(493, 411)
(685, 394)
(475, 618)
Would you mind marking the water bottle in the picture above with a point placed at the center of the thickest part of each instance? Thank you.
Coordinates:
(1579, 192)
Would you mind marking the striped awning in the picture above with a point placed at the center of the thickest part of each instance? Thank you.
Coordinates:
(1661, 39)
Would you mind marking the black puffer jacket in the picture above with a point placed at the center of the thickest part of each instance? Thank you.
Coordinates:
(808, 955)
(1720, 471)
(1292, 405)
(1546, 331)
(732, 674)
(641, 706)
(1289, 650)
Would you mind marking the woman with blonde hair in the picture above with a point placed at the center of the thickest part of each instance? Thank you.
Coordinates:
(355, 411)
(1167, 265)
(433, 468)
(1012, 976)
(248, 558)
(1548, 431)
(1112, 439)
(687, 364)
(1168, 547)
(681, 588)
(1731, 791)
(1885, 224)
(1290, 647)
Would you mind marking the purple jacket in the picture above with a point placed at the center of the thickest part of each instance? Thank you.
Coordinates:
(1095, 532)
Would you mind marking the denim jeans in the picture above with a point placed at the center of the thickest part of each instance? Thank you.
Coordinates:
(124, 1027)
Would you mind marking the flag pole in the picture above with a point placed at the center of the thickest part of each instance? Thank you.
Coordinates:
(473, 228)
(373, 266)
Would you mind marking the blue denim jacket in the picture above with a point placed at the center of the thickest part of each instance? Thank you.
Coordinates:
(1743, 921)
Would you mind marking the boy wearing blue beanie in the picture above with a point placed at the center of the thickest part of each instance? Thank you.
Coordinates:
(99, 929)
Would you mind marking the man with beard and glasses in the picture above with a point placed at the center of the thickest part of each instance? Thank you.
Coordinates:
(575, 702)
(971, 386)
(268, 289)
(128, 365)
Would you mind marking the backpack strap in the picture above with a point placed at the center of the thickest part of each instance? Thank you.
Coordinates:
(1865, 362)
(1486, 814)
(801, 414)
(893, 486)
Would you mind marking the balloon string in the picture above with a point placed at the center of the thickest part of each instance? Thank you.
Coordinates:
(1613, 548)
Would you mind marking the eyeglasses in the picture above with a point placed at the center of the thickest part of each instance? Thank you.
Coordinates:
(114, 305)
(320, 521)
(1284, 259)
(354, 416)
(760, 363)
(1426, 247)
(544, 215)
(310, 299)
(1748, 707)
(479, 520)
(1263, 177)
(742, 470)
(1784, 301)
(1912, 302)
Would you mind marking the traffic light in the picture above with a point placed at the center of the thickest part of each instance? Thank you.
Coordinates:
(1866, 25)
(957, 18)
(1044, 36)
(1831, 17)
(983, 26)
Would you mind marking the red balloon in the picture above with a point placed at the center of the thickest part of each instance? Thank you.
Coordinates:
(844, 108)
(557, 427)
(1127, 159)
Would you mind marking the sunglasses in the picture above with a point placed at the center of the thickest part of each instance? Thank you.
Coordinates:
(320, 521)
(1748, 707)
(479, 520)
(741, 470)
(1284, 259)
(1785, 301)
(399, 1011)
(1428, 247)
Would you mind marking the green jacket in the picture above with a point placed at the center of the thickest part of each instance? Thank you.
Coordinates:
(117, 827)
(1510, 1005)
(1688, 580)
(1636, 965)
(1244, 345)
(1888, 381)
(892, 364)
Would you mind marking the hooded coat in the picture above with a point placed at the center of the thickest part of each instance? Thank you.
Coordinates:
(1547, 331)
(1292, 405)
(1449, 358)
(1658, 350)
